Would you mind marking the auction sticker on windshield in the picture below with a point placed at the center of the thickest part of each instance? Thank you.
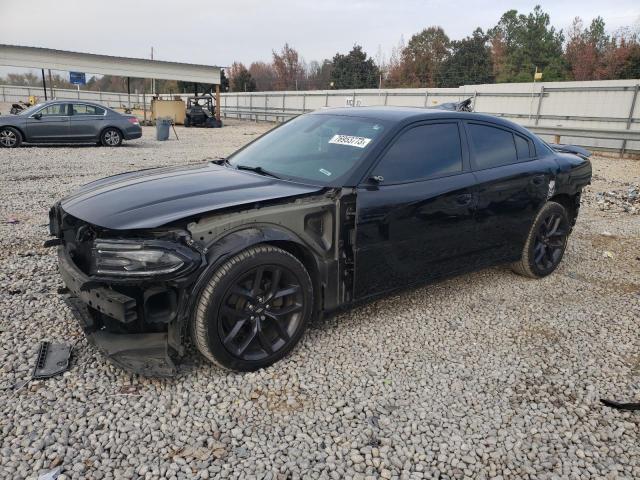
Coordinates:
(359, 142)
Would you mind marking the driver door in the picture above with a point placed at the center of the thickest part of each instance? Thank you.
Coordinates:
(415, 213)
(49, 124)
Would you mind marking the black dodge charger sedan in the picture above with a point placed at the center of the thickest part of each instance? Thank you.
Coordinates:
(330, 209)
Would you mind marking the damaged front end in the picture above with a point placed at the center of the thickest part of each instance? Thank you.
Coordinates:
(128, 289)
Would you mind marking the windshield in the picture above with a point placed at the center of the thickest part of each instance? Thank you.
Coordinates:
(314, 148)
(30, 110)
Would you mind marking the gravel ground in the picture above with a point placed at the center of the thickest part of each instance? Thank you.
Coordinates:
(489, 375)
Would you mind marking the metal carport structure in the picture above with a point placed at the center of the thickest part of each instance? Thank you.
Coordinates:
(36, 57)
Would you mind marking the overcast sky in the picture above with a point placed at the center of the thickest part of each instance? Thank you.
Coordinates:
(217, 33)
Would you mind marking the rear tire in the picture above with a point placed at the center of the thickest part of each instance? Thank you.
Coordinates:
(111, 137)
(10, 137)
(545, 243)
(254, 309)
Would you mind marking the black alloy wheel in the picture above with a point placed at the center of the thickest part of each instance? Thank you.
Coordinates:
(254, 309)
(546, 242)
(260, 312)
(550, 242)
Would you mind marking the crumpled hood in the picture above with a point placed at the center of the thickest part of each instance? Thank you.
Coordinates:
(154, 197)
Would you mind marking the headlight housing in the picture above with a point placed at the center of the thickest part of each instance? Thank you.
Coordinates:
(143, 258)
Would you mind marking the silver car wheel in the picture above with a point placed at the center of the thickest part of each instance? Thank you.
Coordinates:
(112, 137)
(8, 138)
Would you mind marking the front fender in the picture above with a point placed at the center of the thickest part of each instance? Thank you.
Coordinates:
(234, 242)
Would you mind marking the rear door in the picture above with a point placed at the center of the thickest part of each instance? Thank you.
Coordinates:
(415, 221)
(49, 124)
(86, 121)
(513, 184)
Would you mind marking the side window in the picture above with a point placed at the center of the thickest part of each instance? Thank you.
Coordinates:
(422, 152)
(492, 146)
(82, 109)
(55, 110)
(524, 148)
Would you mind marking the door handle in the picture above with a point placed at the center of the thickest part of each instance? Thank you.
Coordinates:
(464, 199)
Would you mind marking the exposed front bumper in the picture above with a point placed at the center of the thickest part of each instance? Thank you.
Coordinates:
(142, 353)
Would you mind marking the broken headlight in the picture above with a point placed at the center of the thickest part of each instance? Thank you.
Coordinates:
(128, 258)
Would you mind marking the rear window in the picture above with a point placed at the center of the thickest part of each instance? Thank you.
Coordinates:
(523, 147)
(492, 146)
(81, 109)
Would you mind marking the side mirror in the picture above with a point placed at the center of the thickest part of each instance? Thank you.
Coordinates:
(377, 179)
(37, 116)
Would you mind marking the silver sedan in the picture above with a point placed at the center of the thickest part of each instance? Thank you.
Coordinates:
(65, 121)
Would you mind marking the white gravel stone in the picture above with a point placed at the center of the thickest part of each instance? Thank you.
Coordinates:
(489, 375)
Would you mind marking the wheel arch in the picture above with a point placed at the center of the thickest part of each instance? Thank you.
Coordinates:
(106, 127)
(571, 203)
(19, 129)
(236, 241)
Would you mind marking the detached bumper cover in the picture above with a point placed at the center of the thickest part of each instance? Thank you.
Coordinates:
(142, 353)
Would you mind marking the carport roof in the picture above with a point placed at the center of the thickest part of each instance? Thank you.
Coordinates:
(36, 57)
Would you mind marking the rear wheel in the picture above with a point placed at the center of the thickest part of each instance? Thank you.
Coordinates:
(546, 242)
(111, 137)
(254, 309)
(10, 137)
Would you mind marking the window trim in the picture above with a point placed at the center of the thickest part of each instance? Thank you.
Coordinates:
(51, 105)
(463, 152)
(472, 153)
(87, 105)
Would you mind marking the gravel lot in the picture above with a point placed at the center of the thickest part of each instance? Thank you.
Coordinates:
(490, 375)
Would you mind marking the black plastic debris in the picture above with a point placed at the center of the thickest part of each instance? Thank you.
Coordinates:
(53, 359)
(620, 405)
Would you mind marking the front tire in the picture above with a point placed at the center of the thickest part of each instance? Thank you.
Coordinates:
(111, 137)
(546, 242)
(254, 309)
(10, 137)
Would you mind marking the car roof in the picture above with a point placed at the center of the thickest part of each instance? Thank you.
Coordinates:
(412, 114)
(71, 100)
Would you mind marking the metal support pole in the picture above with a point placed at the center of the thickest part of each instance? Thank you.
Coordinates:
(44, 85)
(284, 97)
(4, 97)
(218, 103)
(386, 98)
(539, 104)
(426, 98)
(266, 105)
(630, 117)
(250, 107)
(51, 85)
(144, 104)
(326, 99)
(475, 96)
(353, 100)
(304, 102)
(129, 92)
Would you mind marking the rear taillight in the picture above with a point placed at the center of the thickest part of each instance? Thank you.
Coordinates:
(133, 120)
